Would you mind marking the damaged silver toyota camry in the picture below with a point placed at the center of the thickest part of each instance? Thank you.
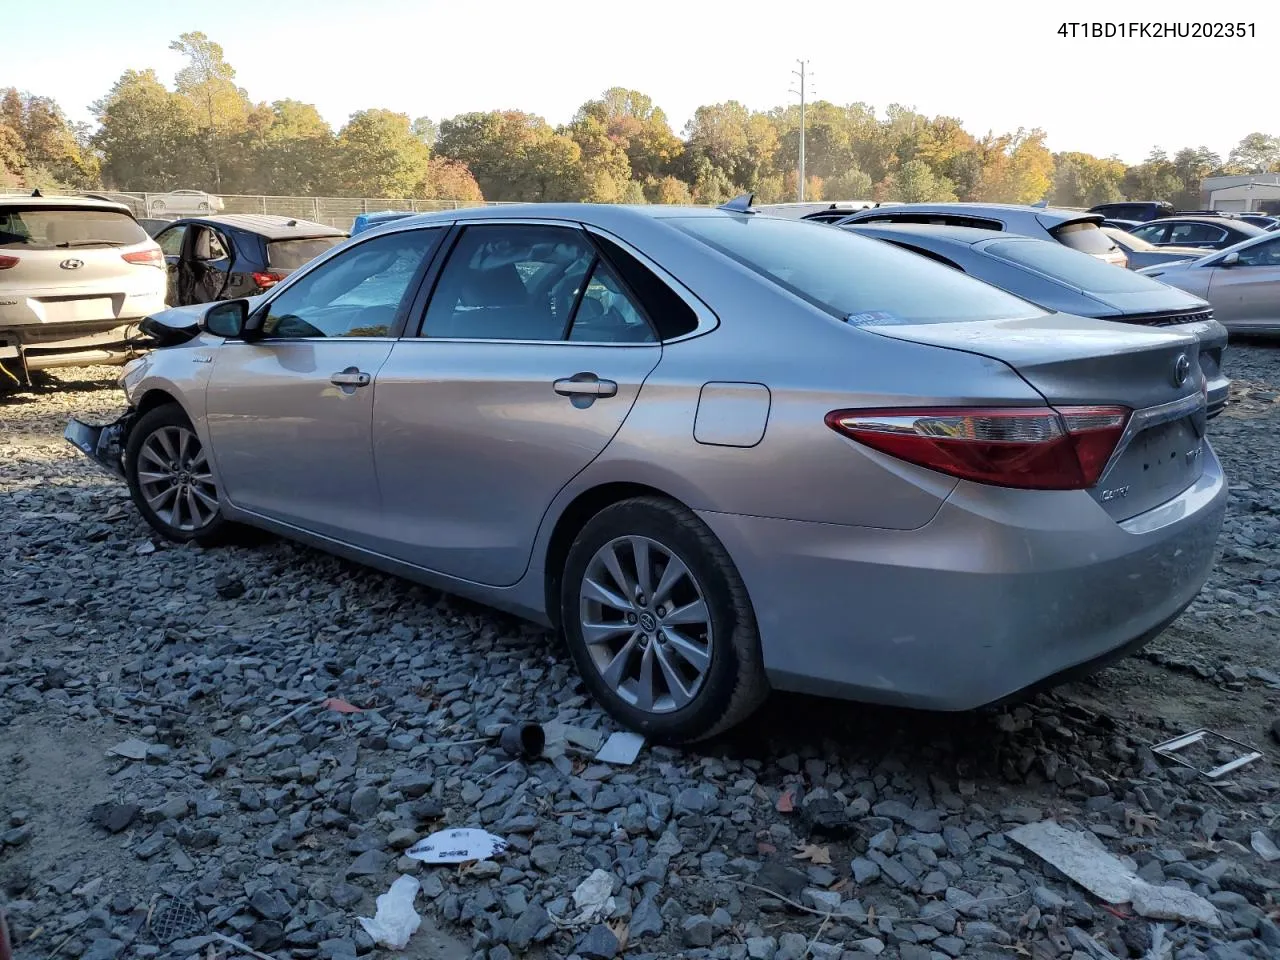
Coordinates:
(721, 452)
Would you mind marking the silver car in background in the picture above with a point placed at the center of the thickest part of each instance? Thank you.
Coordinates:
(1141, 254)
(1071, 228)
(1242, 283)
(722, 452)
(1057, 278)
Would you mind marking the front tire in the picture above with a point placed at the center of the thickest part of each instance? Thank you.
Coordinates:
(170, 478)
(659, 622)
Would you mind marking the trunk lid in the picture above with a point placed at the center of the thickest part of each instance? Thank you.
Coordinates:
(1072, 361)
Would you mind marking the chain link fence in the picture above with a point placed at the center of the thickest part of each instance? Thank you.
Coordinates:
(337, 212)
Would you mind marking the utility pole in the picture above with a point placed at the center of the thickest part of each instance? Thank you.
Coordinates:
(803, 74)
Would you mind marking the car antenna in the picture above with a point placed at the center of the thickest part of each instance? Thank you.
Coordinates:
(739, 204)
(1041, 204)
(292, 223)
(36, 192)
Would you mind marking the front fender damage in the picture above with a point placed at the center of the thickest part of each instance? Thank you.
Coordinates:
(102, 443)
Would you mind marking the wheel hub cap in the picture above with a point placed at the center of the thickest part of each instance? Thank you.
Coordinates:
(646, 624)
(175, 480)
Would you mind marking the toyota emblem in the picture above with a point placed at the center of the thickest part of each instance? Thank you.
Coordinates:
(1181, 370)
(71, 264)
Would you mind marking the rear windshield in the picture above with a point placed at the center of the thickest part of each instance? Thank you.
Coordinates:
(1070, 266)
(48, 228)
(1127, 240)
(1085, 236)
(854, 278)
(291, 254)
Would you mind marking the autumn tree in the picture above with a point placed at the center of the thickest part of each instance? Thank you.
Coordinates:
(146, 133)
(378, 156)
(38, 143)
(220, 107)
(631, 120)
(1083, 180)
(514, 155)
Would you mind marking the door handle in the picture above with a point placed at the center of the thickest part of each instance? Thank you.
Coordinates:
(351, 377)
(585, 385)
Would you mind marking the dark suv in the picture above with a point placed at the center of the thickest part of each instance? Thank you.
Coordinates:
(1142, 210)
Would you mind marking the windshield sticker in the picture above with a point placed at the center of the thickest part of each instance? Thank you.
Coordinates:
(873, 318)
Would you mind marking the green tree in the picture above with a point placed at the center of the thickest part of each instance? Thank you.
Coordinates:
(606, 169)
(1083, 180)
(914, 182)
(514, 155)
(849, 184)
(425, 129)
(1256, 153)
(729, 144)
(1155, 178)
(378, 155)
(221, 108)
(631, 120)
(147, 135)
(668, 189)
(1192, 165)
(290, 150)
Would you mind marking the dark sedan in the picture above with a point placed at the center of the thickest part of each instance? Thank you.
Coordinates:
(1058, 278)
(1206, 233)
(223, 257)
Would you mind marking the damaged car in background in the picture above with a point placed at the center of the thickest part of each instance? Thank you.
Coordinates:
(722, 452)
(76, 277)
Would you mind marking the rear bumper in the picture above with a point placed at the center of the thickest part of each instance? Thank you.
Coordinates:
(44, 346)
(1001, 591)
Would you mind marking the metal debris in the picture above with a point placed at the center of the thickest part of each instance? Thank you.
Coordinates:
(1171, 748)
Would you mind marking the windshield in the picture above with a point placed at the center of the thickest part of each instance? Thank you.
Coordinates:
(854, 278)
(1071, 267)
(48, 228)
(291, 254)
(1083, 235)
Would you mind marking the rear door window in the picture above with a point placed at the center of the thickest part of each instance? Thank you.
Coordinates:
(52, 228)
(1196, 233)
(171, 240)
(291, 254)
(854, 278)
(1083, 235)
(1153, 233)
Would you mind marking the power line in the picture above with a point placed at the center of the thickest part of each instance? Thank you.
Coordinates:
(804, 74)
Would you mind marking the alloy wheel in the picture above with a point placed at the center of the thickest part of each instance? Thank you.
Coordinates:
(646, 624)
(175, 480)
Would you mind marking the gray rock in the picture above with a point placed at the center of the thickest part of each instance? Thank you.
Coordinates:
(365, 803)
(528, 926)
(761, 948)
(696, 931)
(646, 921)
(599, 943)
(104, 948)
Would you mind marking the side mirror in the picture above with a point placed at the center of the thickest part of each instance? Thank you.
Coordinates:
(226, 318)
(1230, 260)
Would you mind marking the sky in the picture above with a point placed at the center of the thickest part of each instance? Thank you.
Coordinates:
(996, 65)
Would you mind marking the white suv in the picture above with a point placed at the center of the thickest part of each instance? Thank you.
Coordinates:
(76, 276)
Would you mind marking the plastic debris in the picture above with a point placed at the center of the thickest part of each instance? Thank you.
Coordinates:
(457, 846)
(525, 740)
(395, 920)
(1083, 858)
(621, 748)
(131, 749)
(558, 732)
(338, 705)
(592, 901)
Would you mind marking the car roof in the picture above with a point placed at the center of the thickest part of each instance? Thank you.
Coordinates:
(598, 213)
(1058, 214)
(1215, 221)
(268, 225)
(967, 236)
(88, 203)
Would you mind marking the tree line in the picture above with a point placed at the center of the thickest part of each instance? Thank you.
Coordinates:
(204, 132)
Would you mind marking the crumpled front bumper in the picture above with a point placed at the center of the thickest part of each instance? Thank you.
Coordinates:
(102, 443)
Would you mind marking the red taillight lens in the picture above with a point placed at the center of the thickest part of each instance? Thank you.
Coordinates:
(7, 262)
(147, 258)
(1031, 448)
(265, 280)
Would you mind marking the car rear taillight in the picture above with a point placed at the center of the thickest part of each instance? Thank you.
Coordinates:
(266, 280)
(147, 258)
(1031, 448)
(7, 262)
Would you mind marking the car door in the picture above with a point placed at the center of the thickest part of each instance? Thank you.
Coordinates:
(529, 357)
(289, 415)
(171, 243)
(1247, 293)
(1203, 235)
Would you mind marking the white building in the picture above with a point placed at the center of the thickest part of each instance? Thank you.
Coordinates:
(1242, 194)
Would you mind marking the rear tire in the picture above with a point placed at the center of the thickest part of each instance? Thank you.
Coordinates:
(170, 478)
(659, 622)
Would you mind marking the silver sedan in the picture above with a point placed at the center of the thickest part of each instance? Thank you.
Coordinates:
(1242, 283)
(722, 452)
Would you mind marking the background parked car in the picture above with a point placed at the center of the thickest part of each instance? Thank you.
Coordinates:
(366, 220)
(1261, 220)
(1071, 228)
(183, 201)
(1125, 225)
(1204, 233)
(1143, 254)
(1140, 210)
(1057, 278)
(1242, 283)
(154, 225)
(237, 255)
(752, 476)
(76, 275)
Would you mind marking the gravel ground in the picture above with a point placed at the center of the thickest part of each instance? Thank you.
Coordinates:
(819, 828)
